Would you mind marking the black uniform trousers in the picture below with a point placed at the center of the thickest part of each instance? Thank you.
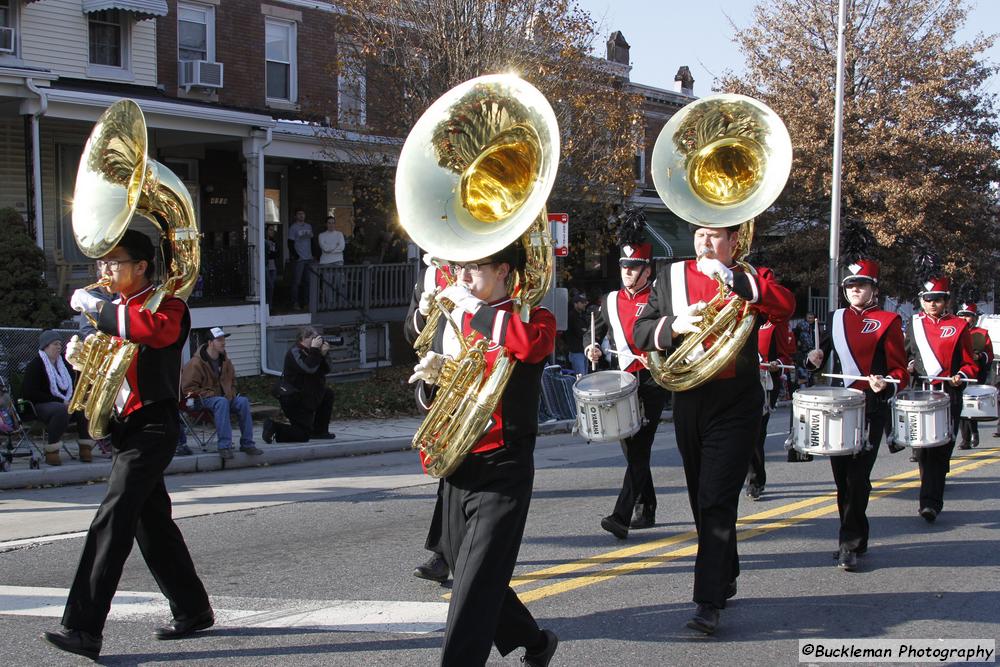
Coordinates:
(757, 475)
(852, 475)
(136, 508)
(638, 483)
(716, 426)
(935, 462)
(433, 541)
(485, 508)
(304, 422)
(970, 431)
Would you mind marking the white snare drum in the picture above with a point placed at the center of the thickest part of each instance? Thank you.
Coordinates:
(979, 403)
(607, 405)
(829, 421)
(922, 418)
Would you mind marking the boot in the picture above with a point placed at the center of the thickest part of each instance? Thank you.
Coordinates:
(86, 449)
(52, 458)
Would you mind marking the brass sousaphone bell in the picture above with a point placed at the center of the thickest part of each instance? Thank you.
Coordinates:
(719, 162)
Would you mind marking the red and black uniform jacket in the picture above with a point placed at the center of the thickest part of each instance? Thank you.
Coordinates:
(982, 350)
(155, 372)
(941, 346)
(775, 342)
(619, 311)
(867, 341)
(680, 284)
(529, 344)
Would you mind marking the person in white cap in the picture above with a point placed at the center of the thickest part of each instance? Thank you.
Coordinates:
(210, 379)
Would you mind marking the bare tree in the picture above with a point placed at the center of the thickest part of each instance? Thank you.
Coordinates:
(921, 161)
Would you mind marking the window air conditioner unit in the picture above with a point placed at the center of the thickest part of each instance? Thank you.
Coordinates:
(6, 40)
(199, 73)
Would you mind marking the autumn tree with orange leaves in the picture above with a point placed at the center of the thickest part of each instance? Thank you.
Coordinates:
(921, 162)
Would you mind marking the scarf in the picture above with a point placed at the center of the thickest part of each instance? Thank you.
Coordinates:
(60, 383)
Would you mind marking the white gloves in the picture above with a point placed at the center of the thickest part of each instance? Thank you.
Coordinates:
(462, 298)
(593, 352)
(83, 301)
(815, 358)
(713, 267)
(426, 303)
(74, 353)
(687, 322)
(428, 369)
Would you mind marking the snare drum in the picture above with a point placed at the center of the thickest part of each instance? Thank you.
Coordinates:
(829, 421)
(607, 405)
(979, 403)
(922, 418)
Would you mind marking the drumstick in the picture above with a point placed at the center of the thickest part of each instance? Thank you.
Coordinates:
(593, 343)
(857, 377)
(947, 379)
(816, 333)
(791, 368)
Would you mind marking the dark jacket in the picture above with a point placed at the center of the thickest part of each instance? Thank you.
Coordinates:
(36, 387)
(303, 376)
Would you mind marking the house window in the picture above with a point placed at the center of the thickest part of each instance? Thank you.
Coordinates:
(8, 28)
(639, 166)
(352, 89)
(107, 38)
(195, 32)
(280, 53)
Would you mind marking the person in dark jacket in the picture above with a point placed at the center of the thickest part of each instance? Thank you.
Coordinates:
(305, 399)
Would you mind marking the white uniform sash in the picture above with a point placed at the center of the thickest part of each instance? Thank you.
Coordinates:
(624, 352)
(678, 288)
(848, 365)
(932, 366)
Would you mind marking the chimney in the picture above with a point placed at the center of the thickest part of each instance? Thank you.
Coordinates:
(684, 82)
(618, 48)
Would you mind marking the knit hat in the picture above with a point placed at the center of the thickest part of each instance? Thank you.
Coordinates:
(46, 338)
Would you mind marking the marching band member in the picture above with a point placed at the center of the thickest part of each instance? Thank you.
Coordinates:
(982, 350)
(776, 347)
(144, 434)
(619, 310)
(716, 423)
(865, 341)
(938, 344)
(485, 501)
(435, 568)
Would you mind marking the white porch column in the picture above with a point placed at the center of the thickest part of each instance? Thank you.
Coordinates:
(253, 152)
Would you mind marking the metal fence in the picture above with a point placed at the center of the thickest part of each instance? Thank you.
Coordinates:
(224, 274)
(18, 346)
(557, 395)
(361, 286)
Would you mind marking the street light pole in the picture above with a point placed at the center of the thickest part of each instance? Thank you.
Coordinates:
(833, 292)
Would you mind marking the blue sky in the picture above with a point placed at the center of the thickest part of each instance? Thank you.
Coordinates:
(665, 34)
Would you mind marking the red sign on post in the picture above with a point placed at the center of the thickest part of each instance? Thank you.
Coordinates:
(559, 223)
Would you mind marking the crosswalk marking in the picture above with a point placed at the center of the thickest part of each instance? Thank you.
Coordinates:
(387, 616)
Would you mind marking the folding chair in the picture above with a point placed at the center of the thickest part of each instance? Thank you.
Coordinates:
(197, 422)
(18, 441)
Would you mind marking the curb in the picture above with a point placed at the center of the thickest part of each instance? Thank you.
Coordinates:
(99, 470)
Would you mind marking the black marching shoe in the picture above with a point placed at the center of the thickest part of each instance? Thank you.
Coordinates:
(730, 592)
(75, 641)
(847, 560)
(434, 568)
(179, 629)
(965, 445)
(542, 657)
(642, 518)
(754, 491)
(929, 514)
(614, 526)
(705, 619)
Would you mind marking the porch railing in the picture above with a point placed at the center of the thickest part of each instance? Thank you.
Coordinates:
(225, 274)
(361, 286)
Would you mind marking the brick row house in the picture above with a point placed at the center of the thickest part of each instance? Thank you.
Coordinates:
(260, 110)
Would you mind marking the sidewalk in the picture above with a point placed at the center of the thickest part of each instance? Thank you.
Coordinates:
(354, 438)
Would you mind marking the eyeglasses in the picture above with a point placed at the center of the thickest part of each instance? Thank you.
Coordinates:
(112, 264)
(471, 267)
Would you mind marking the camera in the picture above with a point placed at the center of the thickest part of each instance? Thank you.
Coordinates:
(334, 341)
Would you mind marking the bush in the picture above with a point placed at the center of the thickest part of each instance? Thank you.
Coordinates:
(25, 298)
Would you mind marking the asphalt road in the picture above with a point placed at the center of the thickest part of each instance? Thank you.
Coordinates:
(310, 564)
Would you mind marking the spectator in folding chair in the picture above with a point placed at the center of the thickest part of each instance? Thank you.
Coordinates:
(48, 385)
(209, 377)
(302, 392)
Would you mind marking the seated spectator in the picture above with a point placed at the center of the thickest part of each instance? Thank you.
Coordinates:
(210, 379)
(305, 399)
(49, 386)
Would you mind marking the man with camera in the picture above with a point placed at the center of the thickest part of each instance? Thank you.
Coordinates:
(302, 392)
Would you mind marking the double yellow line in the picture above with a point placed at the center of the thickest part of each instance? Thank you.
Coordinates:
(612, 564)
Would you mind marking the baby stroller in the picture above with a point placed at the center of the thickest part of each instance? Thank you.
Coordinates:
(14, 437)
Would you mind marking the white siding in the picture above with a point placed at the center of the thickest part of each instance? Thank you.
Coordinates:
(13, 192)
(54, 132)
(243, 347)
(54, 35)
